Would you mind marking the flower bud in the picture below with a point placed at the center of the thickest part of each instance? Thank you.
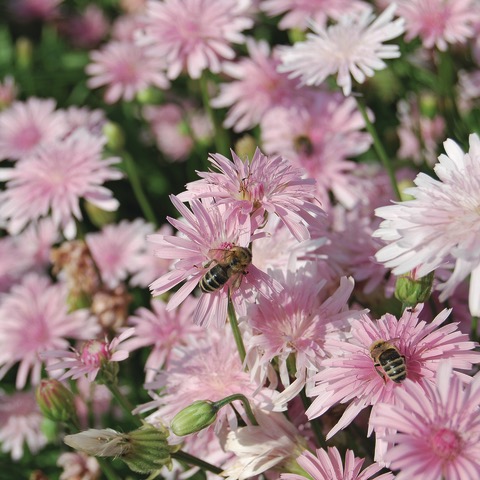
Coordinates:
(115, 136)
(56, 402)
(195, 417)
(98, 216)
(411, 290)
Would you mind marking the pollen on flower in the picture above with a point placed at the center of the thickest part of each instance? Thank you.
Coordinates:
(446, 443)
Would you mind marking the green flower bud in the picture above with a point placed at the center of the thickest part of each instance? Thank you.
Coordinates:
(56, 402)
(115, 136)
(195, 417)
(98, 216)
(411, 290)
(245, 146)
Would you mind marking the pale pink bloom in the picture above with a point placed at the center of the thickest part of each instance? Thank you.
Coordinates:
(26, 126)
(163, 330)
(419, 134)
(318, 137)
(439, 22)
(92, 402)
(350, 375)
(298, 13)
(20, 424)
(11, 269)
(437, 428)
(439, 223)
(295, 322)
(257, 87)
(205, 232)
(468, 89)
(52, 181)
(328, 465)
(90, 359)
(83, 117)
(78, 466)
(119, 249)
(252, 189)
(351, 48)
(263, 447)
(29, 10)
(194, 35)
(8, 92)
(125, 27)
(125, 70)
(35, 318)
(209, 369)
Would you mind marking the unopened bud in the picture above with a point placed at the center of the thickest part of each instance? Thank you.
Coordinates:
(115, 136)
(98, 216)
(411, 290)
(195, 417)
(245, 146)
(56, 402)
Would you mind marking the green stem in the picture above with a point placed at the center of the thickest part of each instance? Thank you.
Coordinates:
(245, 402)
(134, 179)
(377, 144)
(473, 331)
(191, 460)
(107, 469)
(232, 316)
(315, 424)
(124, 403)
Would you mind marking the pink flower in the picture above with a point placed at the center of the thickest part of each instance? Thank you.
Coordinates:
(35, 318)
(52, 181)
(439, 22)
(439, 223)
(206, 232)
(352, 47)
(328, 465)
(125, 70)
(194, 35)
(257, 87)
(26, 126)
(164, 330)
(29, 10)
(93, 356)
(82, 117)
(350, 375)
(299, 12)
(437, 428)
(20, 423)
(252, 189)
(77, 465)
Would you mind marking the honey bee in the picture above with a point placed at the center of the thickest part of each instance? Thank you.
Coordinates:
(234, 261)
(388, 361)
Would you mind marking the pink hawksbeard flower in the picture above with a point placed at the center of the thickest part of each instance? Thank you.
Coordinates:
(35, 319)
(26, 126)
(82, 117)
(328, 465)
(20, 424)
(319, 137)
(439, 22)
(299, 12)
(164, 330)
(252, 189)
(89, 361)
(353, 47)
(125, 70)
(437, 428)
(52, 181)
(441, 222)
(210, 369)
(257, 87)
(78, 466)
(350, 375)
(208, 232)
(296, 321)
(194, 35)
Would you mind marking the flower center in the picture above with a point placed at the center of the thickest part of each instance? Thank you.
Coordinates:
(94, 352)
(445, 443)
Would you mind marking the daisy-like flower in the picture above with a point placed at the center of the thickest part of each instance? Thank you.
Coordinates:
(439, 22)
(118, 249)
(125, 70)
(164, 330)
(20, 424)
(26, 126)
(83, 117)
(350, 374)
(78, 465)
(257, 87)
(299, 12)
(439, 223)
(35, 318)
(352, 48)
(194, 35)
(437, 428)
(207, 231)
(94, 356)
(52, 181)
(252, 189)
(328, 465)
